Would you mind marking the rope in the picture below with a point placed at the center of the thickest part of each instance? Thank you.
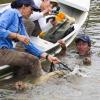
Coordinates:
(52, 67)
(65, 67)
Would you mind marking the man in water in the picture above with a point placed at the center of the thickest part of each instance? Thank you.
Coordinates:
(83, 47)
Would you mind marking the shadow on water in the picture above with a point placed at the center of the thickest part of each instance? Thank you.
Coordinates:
(70, 87)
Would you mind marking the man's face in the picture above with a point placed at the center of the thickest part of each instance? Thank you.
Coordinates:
(46, 5)
(82, 48)
(27, 11)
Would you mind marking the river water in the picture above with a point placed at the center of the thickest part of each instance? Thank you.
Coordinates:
(70, 87)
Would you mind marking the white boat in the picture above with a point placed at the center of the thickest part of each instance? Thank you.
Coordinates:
(77, 9)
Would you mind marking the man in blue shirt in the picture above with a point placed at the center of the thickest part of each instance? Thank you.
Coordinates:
(12, 29)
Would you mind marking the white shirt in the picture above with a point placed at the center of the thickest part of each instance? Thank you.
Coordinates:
(40, 17)
(42, 21)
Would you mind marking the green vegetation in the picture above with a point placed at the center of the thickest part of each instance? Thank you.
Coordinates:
(5, 1)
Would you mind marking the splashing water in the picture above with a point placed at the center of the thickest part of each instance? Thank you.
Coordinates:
(78, 71)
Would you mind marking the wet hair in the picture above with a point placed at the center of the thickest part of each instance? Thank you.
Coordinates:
(17, 5)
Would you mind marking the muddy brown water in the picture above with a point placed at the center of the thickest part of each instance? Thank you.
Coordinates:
(70, 87)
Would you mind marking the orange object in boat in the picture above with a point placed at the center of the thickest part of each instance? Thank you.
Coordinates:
(60, 16)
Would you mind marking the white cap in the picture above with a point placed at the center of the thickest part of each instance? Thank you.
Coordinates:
(38, 3)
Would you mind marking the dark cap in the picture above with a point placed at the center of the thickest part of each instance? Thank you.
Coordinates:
(30, 2)
(84, 38)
